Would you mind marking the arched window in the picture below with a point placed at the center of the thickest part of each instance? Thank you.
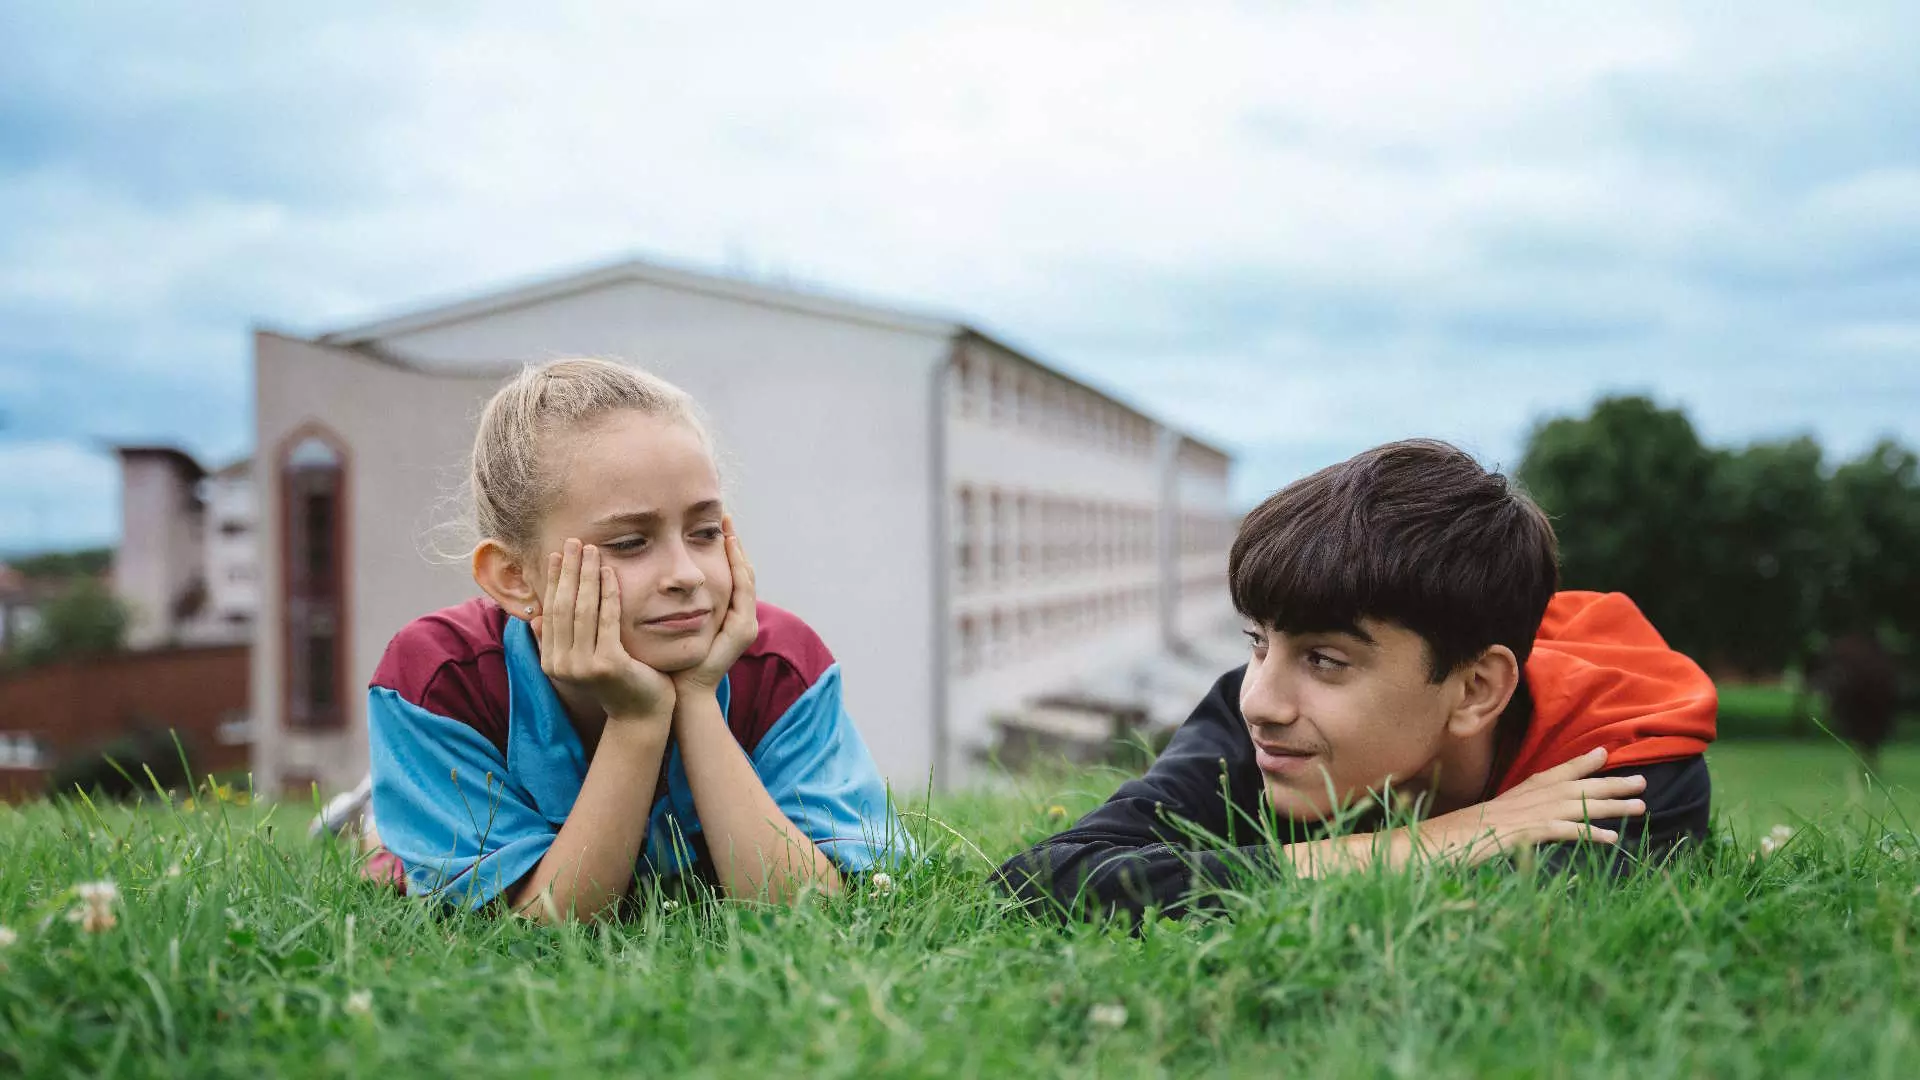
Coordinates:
(313, 481)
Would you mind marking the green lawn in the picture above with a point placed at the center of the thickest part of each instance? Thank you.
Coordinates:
(1760, 784)
(261, 955)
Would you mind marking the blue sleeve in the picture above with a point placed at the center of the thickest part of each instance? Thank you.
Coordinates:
(820, 774)
(445, 804)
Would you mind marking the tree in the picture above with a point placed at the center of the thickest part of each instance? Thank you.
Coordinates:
(1875, 582)
(1626, 486)
(1768, 533)
(84, 620)
(87, 562)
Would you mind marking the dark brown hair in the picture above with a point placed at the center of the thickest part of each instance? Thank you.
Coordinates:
(1414, 533)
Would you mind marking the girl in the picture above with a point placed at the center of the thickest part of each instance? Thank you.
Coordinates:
(619, 696)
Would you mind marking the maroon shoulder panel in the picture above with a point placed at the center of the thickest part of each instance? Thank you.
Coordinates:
(453, 663)
(783, 662)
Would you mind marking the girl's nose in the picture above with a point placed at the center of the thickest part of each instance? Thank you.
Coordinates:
(683, 574)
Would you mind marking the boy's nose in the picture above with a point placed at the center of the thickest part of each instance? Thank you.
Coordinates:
(1264, 701)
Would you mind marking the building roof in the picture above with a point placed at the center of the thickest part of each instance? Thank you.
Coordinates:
(805, 301)
(235, 469)
(370, 338)
(175, 456)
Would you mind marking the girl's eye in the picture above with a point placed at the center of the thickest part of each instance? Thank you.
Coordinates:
(708, 533)
(625, 544)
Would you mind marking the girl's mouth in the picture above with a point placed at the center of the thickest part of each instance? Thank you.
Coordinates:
(679, 622)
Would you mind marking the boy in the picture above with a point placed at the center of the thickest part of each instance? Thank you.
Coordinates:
(1406, 633)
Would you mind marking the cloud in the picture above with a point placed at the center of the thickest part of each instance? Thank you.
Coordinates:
(1300, 230)
(57, 493)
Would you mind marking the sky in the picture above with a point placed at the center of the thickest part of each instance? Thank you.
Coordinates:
(1298, 230)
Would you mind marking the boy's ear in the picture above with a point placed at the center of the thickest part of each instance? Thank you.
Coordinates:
(1487, 684)
(502, 575)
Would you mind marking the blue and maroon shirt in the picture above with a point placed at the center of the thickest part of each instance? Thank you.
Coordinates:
(476, 764)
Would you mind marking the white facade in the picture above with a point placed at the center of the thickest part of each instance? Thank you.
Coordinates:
(232, 556)
(185, 564)
(158, 566)
(848, 436)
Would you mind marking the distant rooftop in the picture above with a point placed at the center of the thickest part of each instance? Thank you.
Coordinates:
(369, 337)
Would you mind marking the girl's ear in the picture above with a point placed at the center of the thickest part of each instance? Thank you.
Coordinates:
(502, 575)
(1486, 686)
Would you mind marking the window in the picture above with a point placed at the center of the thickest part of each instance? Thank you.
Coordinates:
(996, 524)
(312, 494)
(1028, 526)
(964, 552)
(969, 653)
(965, 387)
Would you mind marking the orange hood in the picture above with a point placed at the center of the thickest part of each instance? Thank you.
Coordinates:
(1600, 675)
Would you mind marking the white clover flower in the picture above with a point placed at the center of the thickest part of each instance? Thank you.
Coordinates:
(173, 871)
(359, 1003)
(1108, 1016)
(1768, 845)
(1780, 834)
(95, 913)
(669, 905)
(7, 937)
(881, 882)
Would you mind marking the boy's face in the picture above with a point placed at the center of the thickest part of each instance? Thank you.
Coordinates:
(1335, 714)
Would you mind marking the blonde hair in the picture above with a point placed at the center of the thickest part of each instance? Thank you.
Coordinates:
(510, 478)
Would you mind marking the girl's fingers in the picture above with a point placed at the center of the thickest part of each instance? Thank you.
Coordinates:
(566, 596)
(607, 641)
(586, 601)
(547, 604)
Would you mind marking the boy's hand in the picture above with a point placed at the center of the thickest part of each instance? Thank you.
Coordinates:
(580, 649)
(738, 627)
(1549, 807)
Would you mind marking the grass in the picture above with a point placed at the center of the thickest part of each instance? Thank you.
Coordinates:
(1759, 784)
(253, 959)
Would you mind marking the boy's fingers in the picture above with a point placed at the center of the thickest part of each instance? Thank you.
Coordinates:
(1601, 809)
(1610, 787)
(1579, 768)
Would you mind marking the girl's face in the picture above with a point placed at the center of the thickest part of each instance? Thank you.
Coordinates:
(644, 490)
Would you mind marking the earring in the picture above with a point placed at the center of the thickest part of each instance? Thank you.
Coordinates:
(529, 609)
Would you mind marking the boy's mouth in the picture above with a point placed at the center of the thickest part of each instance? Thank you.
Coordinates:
(1275, 760)
(679, 622)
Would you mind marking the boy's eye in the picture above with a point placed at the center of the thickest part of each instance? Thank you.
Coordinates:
(1322, 662)
(1256, 639)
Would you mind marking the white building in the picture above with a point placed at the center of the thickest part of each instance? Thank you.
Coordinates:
(965, 527)
(186, 565)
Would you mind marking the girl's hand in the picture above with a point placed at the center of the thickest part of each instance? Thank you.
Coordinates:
(579, 633)
(738, 628)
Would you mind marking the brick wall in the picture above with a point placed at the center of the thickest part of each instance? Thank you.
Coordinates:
(76, 707)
